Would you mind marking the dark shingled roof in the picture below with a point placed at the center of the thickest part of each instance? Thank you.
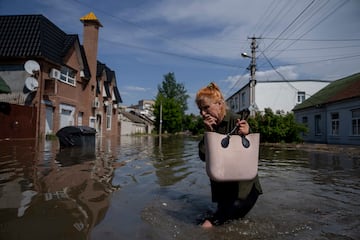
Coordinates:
(110, 75)
(342, 89)
(35, 36)
(31, 36)
(117, 95)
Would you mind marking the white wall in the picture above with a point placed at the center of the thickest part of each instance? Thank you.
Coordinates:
(277, 95)
(283, 95)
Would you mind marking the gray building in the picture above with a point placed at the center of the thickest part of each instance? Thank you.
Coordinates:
(332, 115)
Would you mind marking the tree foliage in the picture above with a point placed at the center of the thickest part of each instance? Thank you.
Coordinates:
(194, 124)
(172, 99)
(277, 127)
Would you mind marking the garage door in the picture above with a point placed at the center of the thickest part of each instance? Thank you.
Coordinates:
(66, 115)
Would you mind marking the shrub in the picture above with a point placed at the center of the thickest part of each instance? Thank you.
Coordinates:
(276, 127)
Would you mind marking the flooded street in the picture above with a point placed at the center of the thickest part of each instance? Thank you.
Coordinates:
(143, 188)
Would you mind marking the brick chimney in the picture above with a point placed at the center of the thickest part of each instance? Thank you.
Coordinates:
(90, 41)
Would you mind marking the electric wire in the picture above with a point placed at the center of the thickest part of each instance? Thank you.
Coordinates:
(172, 54)
(283, 78)
(160, 36)
(289, 25)
(314, 26)
(290, 29)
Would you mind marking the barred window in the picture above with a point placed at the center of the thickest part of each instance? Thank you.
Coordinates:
(335, 123)
(355, 122)
(317, 125)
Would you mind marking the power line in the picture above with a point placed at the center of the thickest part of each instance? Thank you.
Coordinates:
(314, 40)
(316, 48)
(173, 54)
(317, 24)
(284, 79)
(291, 23)
(236, 84)
(323, 60)
(141, 27)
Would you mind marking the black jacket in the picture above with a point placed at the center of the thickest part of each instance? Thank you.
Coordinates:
(224, 191)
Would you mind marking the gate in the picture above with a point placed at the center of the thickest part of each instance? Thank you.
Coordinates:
(17, 121)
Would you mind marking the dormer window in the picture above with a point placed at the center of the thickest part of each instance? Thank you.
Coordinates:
(300, 97)
(68, 75)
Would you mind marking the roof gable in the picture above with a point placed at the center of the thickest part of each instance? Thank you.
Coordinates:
(110, 79)
(35, 36)
(342, 89)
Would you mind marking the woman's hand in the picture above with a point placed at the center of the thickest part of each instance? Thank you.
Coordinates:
(244, 127)
(209, 122)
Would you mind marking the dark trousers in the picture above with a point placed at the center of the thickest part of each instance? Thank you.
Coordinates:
(234, 209)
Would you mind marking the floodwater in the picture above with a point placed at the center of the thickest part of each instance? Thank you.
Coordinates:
(143, 187)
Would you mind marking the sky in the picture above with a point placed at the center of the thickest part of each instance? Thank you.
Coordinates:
(201, 41)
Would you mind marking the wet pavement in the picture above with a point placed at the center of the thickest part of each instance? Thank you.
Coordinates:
(143, 188)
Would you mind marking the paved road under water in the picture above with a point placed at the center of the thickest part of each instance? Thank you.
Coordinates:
(143, 188)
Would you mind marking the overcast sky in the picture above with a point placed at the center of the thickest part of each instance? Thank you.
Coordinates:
(202, 40)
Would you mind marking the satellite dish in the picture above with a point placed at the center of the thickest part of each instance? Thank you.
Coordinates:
(31, 84)
(31, 66)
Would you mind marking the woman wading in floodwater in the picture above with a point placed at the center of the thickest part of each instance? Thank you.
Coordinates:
(234, 198)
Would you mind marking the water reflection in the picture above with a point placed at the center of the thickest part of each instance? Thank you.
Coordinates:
(141, 188)
(52, 194)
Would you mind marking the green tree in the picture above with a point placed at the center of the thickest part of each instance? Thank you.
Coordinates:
(277, 127)
(172, 99)
(194, 124)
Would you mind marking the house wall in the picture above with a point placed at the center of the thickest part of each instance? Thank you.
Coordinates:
(53, 95)
(277, 95)
(283, 95)
(311, 114)
(345, 129)
(77, 96)
(101, 111)
(129, 128)
(344, 109)
(240, 100)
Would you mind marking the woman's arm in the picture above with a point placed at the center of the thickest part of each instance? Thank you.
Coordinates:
(244, 128)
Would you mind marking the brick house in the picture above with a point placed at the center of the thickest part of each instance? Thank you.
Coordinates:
(54, 80)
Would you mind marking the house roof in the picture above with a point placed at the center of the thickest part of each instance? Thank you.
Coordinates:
(110, 77)
(35, 36)
(31, 36)
(342, 89)
(117, 95)
(132, 117)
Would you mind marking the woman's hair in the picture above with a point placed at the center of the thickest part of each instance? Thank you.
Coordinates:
(210, 92)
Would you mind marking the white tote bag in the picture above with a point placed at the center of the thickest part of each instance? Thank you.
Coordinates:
(234, 162)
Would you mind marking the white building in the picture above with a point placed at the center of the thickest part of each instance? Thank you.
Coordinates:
(277, 95)
(144, 107)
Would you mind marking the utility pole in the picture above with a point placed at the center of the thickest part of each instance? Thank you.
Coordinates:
(252, 76)
(252, 83)
(160, 126)
(160, 122)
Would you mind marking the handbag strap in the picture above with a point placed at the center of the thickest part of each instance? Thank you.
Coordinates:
(244, 114)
